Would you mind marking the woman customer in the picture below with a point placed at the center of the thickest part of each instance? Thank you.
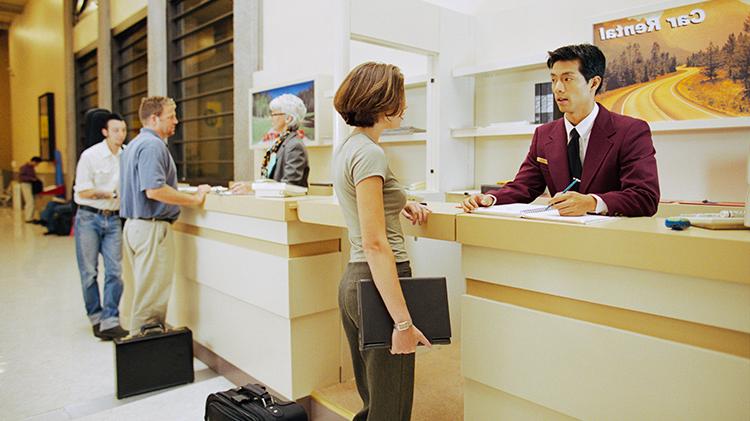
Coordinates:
(371, 99)
(286, 160)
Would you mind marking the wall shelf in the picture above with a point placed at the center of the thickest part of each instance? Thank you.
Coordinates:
(521, 129)
(503, 129)
(523, 63)
(404, 138)
(416, 81)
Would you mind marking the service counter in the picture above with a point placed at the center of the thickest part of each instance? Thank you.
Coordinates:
(618, 320)
(441, 226)
(258, 288)
(624, 319)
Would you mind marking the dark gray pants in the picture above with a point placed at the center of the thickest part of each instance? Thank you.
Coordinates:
(385, 382)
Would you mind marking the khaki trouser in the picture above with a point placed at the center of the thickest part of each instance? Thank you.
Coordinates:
(385, 382)
(149, 251)
(28, 201)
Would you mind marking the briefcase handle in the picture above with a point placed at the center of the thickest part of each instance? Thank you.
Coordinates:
(150, 326)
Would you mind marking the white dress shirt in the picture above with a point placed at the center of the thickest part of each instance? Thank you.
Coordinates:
(99, 169)
(584, 131)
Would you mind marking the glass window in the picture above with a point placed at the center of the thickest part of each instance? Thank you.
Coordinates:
(201, 76)
(130, 74)
(86, 94)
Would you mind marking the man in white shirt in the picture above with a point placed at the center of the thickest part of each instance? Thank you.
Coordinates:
(98, 229)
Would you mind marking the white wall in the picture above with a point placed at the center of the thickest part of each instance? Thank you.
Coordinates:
(411, 64)
(126, 12)
(412, 23)
(85, 31)
(297, 40)
(709, 164)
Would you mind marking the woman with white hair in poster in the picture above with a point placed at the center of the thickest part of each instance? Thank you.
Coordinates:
(286, 160)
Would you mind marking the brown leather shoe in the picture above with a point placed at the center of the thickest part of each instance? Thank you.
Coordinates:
(97, 332)
(113, 332)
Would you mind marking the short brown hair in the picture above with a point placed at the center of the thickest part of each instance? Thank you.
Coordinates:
(153, 105)
(369, 90)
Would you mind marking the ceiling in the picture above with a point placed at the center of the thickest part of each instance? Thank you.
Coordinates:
(8, 10)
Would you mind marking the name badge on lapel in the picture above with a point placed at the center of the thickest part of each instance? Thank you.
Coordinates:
(541, 160)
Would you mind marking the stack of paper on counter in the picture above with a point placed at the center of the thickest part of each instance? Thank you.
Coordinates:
(266, 188)
(532, 211)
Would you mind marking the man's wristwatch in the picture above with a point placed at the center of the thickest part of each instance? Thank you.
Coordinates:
(402, 326)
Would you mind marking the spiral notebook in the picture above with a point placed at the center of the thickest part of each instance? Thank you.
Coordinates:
(532, 211)
(427, 301)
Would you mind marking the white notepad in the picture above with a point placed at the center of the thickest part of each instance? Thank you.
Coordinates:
(531, 211)
(270, 188)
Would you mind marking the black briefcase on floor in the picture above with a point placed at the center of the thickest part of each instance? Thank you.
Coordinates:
(251, 403)
(154, 359)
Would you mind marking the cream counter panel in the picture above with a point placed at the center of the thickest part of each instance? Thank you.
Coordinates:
(642, 243)
(292, 232)
(288, 287)
(484, 403)
(590, 371)
(717, 303)
(291, 356)
(316, 360)
(441, 225)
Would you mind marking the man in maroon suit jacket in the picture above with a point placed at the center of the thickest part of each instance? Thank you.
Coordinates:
(612, 155)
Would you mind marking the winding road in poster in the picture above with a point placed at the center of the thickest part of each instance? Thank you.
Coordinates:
(659, 99)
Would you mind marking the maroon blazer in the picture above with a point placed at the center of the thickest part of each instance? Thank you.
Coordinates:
(619, 166)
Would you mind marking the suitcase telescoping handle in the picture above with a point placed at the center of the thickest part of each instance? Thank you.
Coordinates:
(259, 392)
(150, 326)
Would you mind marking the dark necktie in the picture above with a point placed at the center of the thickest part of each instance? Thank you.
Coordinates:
(574, 157)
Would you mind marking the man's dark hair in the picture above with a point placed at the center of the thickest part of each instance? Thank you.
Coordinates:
(112, 116)
(36, 159)
(591, 60)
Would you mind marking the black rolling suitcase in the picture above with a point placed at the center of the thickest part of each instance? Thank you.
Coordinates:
(251, 403)
(155, 359)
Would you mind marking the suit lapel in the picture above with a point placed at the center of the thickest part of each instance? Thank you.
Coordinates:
(598, 147)
(557, 156)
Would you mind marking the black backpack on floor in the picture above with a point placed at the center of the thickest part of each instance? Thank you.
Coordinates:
(58, 217)
(251, 403)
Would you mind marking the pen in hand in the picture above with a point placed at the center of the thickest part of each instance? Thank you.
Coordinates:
(570, 186)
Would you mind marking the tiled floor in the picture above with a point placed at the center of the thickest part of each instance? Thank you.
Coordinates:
(51, 366)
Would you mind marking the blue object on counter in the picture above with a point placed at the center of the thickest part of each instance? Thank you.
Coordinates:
(677, 224)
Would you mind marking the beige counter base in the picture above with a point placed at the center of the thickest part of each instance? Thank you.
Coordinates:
(261, 294)
(588, 340)
(590, 371)
(292, 356)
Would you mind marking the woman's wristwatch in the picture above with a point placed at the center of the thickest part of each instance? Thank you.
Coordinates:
(402, 326)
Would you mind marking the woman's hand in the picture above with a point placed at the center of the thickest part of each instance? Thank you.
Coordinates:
(416, 213)
(242, 187)
(406, 341)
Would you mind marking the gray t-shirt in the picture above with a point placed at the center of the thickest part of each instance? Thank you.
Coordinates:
(356, 159)
(146, 164)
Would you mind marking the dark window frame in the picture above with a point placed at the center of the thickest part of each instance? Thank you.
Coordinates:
(184, 139)
(84, 63)
(122, 42)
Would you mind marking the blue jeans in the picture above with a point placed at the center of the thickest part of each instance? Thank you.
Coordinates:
(94, 234)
